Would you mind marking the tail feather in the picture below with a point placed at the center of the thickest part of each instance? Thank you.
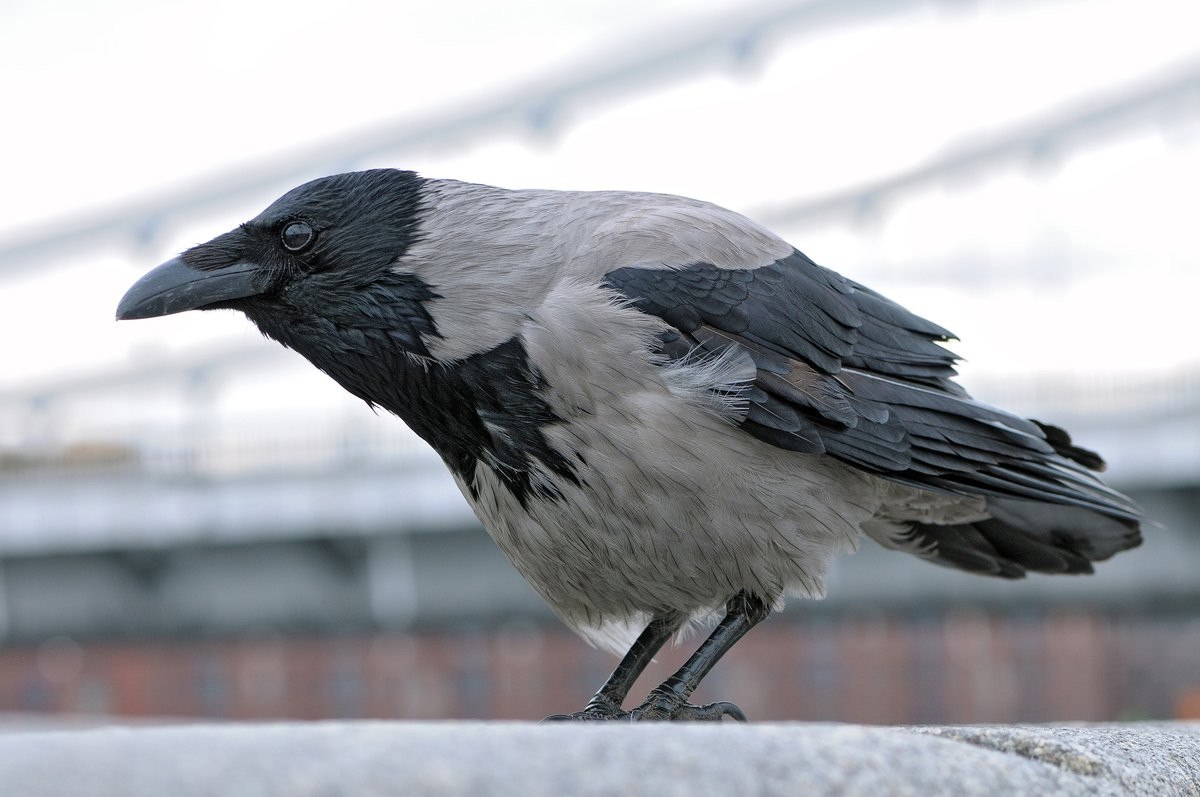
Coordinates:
(1025, 536)
(1060, 441)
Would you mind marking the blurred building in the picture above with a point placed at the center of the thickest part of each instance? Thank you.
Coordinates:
(165, 551)
(338, 573)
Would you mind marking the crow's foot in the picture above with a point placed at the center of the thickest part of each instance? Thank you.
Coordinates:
(657, 708)
(598, 709)
(652, 711)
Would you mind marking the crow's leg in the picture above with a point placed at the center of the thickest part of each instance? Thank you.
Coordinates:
(606, 704)
(668, 701)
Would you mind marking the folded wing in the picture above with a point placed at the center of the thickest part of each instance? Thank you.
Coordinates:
(843, 371)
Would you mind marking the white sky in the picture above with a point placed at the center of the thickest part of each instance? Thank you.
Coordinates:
(1087, 266)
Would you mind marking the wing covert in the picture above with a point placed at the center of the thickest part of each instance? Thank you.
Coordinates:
(843, 371)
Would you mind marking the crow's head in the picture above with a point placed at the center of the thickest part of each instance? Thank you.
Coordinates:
(315, 267)
(349, 271)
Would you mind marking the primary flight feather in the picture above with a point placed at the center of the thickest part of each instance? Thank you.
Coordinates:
(656, 407)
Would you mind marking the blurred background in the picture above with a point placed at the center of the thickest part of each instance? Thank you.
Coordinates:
(196, 523)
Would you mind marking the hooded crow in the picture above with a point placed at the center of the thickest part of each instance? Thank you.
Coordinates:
(658, 409)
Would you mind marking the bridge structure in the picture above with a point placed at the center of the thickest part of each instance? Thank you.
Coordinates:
(359, 516)
(190, 523)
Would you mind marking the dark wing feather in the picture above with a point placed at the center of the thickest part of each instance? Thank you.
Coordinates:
(846, 372)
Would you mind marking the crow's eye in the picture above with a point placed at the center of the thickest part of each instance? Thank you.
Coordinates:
(297, 235)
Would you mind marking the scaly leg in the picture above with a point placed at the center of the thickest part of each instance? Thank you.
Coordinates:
(606, 704)
(668, 701)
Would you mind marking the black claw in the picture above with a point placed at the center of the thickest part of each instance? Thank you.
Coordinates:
(598, 710)
(656, 709)
(712, 712)
(686, 712)
(583, 716)
(725, 709)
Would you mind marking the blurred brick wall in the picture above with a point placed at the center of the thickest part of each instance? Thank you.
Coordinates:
(956, 667)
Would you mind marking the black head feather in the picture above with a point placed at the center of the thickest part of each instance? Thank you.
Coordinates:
(327, 286)
(359, 224)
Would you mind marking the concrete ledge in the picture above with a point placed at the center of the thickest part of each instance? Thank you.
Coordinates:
(391, 758)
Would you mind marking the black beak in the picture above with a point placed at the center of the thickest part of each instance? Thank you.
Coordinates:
(175, 286)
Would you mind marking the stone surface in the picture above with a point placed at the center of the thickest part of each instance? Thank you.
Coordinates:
(390, 758)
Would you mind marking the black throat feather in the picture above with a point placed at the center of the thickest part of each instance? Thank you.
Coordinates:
(485, 410)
